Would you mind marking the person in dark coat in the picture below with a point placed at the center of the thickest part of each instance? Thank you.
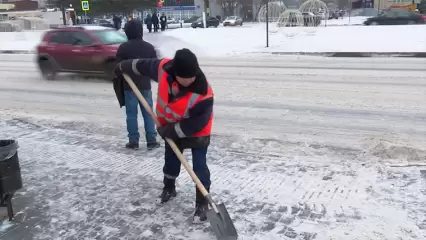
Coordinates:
(155, 21)
(185, 113)
(136, 48)
(148, 22)
(117, 22)
(163, 22)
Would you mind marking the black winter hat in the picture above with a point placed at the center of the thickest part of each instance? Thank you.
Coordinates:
(185, 64)
(134, 29)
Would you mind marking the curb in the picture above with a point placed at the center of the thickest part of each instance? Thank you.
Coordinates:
(354, 54)
(17, 51)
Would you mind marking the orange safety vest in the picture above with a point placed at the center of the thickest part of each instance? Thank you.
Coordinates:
(171, 112)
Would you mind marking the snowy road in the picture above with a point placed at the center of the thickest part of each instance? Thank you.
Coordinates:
(302, 149)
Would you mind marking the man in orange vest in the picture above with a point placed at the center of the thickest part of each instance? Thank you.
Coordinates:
(185, 112)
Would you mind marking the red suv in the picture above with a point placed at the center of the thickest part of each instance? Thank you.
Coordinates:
(80, 49)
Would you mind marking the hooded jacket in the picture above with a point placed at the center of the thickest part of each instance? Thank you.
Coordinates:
(134, 48)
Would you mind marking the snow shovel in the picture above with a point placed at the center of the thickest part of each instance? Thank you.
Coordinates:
(220, 221)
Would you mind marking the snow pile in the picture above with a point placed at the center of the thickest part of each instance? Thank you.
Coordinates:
(227, 41)
(20, 41)
(5, 226)
(393, 149)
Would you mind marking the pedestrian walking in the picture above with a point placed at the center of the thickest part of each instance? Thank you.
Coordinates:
(185, 112)
(155, 21)
(163, 22)
(136, 48)
(148, 22)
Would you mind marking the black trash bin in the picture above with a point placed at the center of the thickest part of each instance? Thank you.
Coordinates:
(10, 174)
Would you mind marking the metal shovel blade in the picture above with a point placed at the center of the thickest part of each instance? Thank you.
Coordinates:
(221, 224)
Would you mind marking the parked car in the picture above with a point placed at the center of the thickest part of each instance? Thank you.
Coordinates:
(396, 17)
(85, 49)
(210, 21)
(105, 23)
(233, 21)
(172, 20)
(191, 19)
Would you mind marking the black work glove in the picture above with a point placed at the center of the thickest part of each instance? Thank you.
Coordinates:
(167, 131)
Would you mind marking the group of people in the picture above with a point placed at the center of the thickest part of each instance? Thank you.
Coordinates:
(155, 22)
(184, 108)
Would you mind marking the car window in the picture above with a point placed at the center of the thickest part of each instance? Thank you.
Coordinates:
(110, 37)
(389, 14)
(402, 13)
(81, 39)
(61, 37)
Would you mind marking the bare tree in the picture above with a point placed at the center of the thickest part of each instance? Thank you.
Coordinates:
(229, 6)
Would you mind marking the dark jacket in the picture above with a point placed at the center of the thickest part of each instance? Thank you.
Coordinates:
(154, 19)
(199, 114)
(117, 22)
(163, 19)
(134, 48)
(148, 20)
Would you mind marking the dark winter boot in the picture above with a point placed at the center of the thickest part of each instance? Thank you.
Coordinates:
(132, 145)
(153, 145)
(201, 207)
(169, 190)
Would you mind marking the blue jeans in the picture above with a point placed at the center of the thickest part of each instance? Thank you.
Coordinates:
(172, 164)
(131, 104)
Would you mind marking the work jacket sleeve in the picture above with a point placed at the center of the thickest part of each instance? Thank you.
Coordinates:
(147, 67)
(198, 118)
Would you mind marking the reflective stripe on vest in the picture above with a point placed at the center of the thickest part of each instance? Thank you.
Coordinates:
(170, 112)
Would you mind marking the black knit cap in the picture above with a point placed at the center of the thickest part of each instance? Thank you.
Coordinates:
(185, 64)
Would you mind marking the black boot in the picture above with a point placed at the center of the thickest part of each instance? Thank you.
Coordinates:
(132, 145)
(169, 190)
(153, 145)
(201, 207)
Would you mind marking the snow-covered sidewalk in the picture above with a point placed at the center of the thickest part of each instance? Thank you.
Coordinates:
(81, 185)
(238, 40)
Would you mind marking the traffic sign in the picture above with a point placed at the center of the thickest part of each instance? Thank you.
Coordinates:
(85, 5)
(159, 4)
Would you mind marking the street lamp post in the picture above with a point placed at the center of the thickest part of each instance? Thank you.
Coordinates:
(267, 23)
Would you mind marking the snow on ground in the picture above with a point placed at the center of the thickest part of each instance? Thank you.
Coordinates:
(225, 41)
(251, 38)
(302, 149)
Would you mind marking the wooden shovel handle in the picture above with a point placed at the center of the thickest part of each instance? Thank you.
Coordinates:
(172, 144)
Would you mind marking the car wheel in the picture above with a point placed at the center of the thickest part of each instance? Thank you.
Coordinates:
(411, 22)
(374, 23)
(241, 24)
(48, 71)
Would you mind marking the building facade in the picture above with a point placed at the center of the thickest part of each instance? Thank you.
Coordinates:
(18, 5)
(182, 10)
